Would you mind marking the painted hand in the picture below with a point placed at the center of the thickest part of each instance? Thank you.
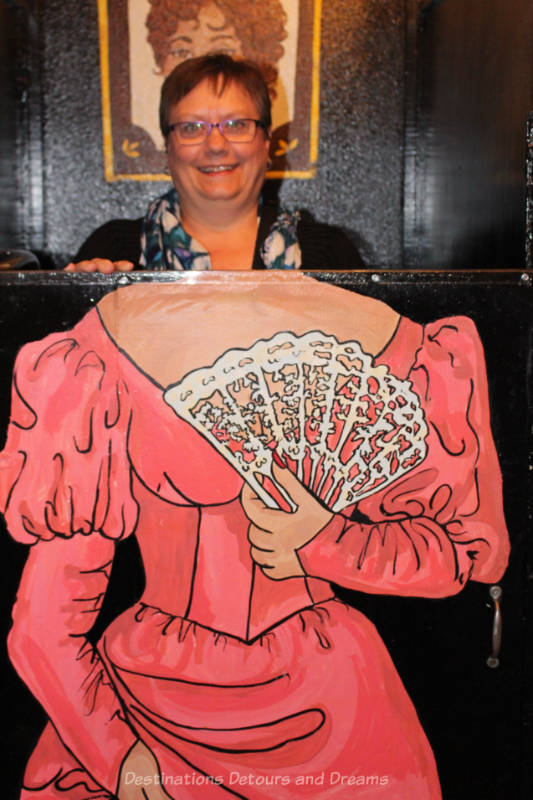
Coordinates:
(99, 265)
(140, 777)
(275, 536)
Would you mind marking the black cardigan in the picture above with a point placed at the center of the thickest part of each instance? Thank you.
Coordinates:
(323, 246)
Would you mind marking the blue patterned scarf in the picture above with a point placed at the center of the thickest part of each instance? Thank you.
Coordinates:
(165, 245)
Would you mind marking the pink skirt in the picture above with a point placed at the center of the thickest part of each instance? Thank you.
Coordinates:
(313, 708)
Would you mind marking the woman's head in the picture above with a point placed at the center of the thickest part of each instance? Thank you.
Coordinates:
(182, 29)
(219, 71)
(219, 166)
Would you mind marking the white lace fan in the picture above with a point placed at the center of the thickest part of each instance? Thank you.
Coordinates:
(344, 426)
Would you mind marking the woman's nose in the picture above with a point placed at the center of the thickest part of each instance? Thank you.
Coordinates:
(215, 139)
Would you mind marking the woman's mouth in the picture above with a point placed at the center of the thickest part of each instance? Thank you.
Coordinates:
(216, 168)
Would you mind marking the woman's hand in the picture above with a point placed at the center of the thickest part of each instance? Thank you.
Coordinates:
(99, 265)
(140, 777)
(275, 536)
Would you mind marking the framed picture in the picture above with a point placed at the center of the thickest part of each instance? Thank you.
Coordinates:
(141, 41)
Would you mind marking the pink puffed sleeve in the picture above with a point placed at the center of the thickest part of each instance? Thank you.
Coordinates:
(443, 523)
(64, 469)
(65, 488)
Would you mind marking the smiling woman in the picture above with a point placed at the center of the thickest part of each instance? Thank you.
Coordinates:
(214, 217)
(218, 176)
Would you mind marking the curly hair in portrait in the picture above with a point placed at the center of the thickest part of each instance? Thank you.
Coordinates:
(258, 24)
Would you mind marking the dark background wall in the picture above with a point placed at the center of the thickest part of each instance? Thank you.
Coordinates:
(422, 135)
(466, 123)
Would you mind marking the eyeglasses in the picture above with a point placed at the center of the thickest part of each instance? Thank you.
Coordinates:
(238, 131)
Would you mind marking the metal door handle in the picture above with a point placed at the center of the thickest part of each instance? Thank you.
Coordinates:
(493, 660)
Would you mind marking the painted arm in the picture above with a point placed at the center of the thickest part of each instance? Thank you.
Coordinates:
(430, 531)
(59, 598)
(410, 556)
(65, 489)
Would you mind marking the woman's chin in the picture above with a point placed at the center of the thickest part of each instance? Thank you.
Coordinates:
(221, 186)
(220, 182)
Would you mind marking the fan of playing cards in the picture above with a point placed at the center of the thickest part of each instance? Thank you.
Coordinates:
(345, 426)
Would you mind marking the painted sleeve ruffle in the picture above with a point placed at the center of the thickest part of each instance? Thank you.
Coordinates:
(64, 469)
(441, 524)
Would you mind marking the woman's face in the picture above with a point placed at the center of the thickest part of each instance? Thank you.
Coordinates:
(217, 170)
(208, 33)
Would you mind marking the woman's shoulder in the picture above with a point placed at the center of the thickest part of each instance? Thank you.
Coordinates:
(326, 246)
(117, 240)
(322, 246)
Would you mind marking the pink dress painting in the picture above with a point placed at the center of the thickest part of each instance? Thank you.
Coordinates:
(241, 685)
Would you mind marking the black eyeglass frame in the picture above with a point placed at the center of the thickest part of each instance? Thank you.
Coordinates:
(211, 125)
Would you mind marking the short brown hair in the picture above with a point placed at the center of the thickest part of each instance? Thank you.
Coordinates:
(220, 70)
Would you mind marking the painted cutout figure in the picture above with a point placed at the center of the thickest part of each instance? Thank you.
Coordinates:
(238, 673)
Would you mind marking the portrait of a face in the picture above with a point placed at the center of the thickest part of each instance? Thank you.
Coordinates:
(208, 32)
(154, 36)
